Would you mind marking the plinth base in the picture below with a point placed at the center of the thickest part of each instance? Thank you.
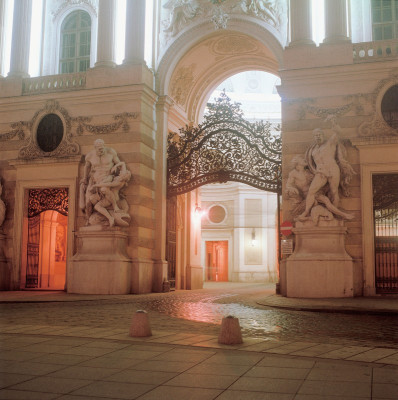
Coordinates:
(320, 267)
(101, 265)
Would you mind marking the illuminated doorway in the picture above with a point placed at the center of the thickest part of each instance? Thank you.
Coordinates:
(217, 261)
(45, 238)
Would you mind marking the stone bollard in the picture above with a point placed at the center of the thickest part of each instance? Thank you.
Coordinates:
(140, 325)
(230, 331)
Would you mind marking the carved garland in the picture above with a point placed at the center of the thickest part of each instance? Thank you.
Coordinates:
(68, 147)
(377, 126)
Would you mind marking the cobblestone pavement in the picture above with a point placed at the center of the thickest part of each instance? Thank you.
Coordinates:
(203, 310)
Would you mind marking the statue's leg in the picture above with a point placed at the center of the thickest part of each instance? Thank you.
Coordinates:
(102, 210)
(317, 183)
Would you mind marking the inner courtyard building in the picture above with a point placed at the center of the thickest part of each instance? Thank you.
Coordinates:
(97, 95)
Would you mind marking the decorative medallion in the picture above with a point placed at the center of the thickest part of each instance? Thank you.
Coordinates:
(233, 45)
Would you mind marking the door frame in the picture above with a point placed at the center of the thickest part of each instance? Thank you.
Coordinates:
(368, 242)
(51, 175)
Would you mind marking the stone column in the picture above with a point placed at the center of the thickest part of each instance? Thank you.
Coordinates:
(106, 34)
(135, 32)
(2, 32)
(19, 65)
(301, 23)
(335, 21)
(160, 267)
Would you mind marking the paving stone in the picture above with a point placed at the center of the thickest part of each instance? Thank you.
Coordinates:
(7, 394)
(244, 395)
(146, 377)
(335, 388)
(352, 374)
(51, 385)
(83, 372)
(267, 385)
(7, 379)
(174, 393)
(385, 375)
(275, 372)
(119, 390)
(202, 381)
(385, 390)
(374, 355)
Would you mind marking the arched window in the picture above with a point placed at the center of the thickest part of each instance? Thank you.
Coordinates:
(75, 43)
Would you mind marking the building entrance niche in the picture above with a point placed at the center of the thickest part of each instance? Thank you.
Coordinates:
(216, 261)
(385, 209)
(45, 240)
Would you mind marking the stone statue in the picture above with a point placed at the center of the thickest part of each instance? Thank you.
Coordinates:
(181, 12)
(104, 176)
(316, 179)
(2, 207)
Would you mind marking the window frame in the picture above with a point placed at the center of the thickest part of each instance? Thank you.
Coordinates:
(382, 24)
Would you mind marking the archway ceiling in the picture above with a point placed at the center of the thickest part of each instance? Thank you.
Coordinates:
(208, 63)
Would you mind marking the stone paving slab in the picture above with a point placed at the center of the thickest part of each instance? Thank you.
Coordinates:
(69, 369)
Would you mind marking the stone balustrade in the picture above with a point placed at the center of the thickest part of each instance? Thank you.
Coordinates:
(54, 83)
(371, 51)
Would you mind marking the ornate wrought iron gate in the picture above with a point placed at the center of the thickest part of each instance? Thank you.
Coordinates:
(385, 206)
(225, 147)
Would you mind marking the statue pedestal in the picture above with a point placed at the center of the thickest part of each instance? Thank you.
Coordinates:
(101, 264)
(320, 266)
(4, 271)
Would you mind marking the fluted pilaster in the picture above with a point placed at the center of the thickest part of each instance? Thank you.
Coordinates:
(301, 23)
(20, 45)
(336, 21)
(106, 33)
(135, 32)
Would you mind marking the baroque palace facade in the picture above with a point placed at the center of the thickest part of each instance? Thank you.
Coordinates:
(83, 145)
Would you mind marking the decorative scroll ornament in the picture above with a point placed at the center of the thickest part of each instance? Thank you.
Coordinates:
(40, 200)
(377, 126)
(67, 146)
(69, 3)
(17, 131)
(225, 147)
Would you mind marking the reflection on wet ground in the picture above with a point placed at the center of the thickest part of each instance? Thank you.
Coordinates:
(202, 311)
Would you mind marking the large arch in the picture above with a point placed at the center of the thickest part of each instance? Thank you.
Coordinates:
(262, 50)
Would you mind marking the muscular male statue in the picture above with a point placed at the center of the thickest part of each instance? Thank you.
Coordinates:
(100, 164)
(326, 161)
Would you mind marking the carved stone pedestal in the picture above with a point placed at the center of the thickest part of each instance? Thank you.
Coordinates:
(101, 264)
(4, 271)
(320, 266)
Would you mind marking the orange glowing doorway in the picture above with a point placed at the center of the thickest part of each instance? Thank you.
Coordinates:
(45, 239)
(217, 261)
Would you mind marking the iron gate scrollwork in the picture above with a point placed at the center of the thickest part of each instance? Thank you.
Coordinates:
(225, 147)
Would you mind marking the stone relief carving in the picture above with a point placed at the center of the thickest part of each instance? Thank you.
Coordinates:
(101, 197)
(121, 122)
(182, 84)
(377, 126)
(181, 13)
(317, 178)
(23, 130)
(233, 44)
(67, 147)
(68, 3)
(2, 207)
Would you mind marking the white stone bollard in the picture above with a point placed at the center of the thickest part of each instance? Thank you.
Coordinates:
(140, 325)
(230, 331)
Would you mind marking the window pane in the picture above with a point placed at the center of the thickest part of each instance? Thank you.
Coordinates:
(377, 33)
(387, 32)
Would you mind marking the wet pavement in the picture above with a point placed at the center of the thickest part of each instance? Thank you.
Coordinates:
(207, 307)
(76, 347)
